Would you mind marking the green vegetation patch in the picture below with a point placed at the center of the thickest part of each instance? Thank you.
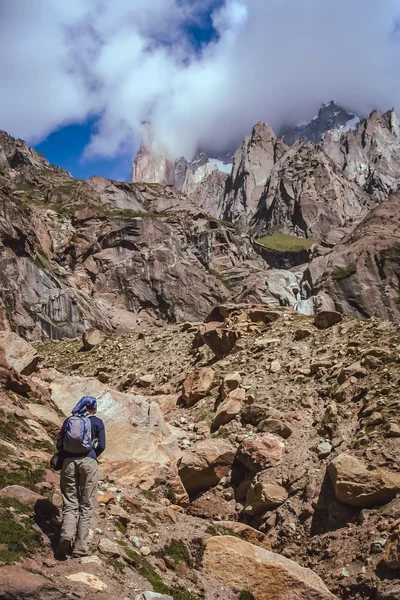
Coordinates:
(391, 253)
(282, 242)
(17, 538)
(340, 273)
(146, 570)
(23, 475)
(176, 550)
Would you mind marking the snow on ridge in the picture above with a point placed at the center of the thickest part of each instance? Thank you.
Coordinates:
(224, 168)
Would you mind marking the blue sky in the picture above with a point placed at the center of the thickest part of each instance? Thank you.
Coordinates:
(65, 147)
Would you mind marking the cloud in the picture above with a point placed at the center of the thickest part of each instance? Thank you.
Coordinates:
(128, 62)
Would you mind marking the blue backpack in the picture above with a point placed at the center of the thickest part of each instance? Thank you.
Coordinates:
(78, 435)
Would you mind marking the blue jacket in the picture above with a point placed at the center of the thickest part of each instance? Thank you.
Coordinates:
(98, 434)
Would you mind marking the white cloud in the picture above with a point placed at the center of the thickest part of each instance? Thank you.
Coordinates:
(128, 61)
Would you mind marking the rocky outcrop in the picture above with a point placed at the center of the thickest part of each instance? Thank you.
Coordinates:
(252, 166)
(370, 155)
(267, 576)
(330, 116)
(152, 165)
(18, 353)
(308, 195)
(361, 275)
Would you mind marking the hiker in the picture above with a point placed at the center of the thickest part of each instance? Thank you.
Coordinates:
(80, 442)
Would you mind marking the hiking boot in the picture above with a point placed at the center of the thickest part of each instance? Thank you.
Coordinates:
(63, 549)
(79, 553)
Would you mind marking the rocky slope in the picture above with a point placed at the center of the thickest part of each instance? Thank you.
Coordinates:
(265, 447)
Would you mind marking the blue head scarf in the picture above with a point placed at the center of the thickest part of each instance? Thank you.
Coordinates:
(84, 404)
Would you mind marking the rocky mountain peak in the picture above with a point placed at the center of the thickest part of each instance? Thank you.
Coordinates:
(330, 116)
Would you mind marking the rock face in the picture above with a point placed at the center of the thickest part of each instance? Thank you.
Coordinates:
(369, 156)
(361, 274)
(355, 484)
(267, 576)
(308, 195)
(252, 166)
(152, 166)
(330, 116)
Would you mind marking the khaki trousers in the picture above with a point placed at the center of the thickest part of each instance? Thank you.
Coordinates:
(79, 478)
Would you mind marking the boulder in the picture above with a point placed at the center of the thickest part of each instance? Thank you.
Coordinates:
(145, 380)
(209, 461)
(92, 337)
(277, 427)
(109, 548)
(266, 575)
(32, 500)
(262, 496)
(197, 385)
(229, 408)
(356, 484)
(229, 383)
(391, 556)
(246, 533)
(219, 339)
(19, 354)
(327, 318)
(17, 583)
(261, 451)
(88, 579)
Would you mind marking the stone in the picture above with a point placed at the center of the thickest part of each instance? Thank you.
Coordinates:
(276, 427)
(145, 380)
(229, 408)
(261, 451)
(91, 560)
(221, 340)
(355, 484)
(109, 548)
(18, 353)
(35, 502)
(302, 334)
(327, 318)
(121, 515)
(393, 430)
(92, 337)
(197, 385)
(16, 583)
(275, 366)
(107, 498)
(266, 575)
(324, 449)
(230, 382)
(152, 596)
(145, 550)
(391, 555)
(263, 496)
(206, 464)
(88, 579)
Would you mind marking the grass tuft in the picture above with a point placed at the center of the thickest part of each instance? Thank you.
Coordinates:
(340, 273)
(282, 242)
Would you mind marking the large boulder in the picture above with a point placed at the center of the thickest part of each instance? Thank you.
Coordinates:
(356, 484)
(32, 500)
(140, 443)
(230, 382)
(219, 339)
(205, 466)
(266, 575)
(261, 451)
(197, 385)
(17, 583)
(92, 337)
(18, 353)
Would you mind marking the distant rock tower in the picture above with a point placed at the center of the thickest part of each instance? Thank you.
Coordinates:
(152, 164)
